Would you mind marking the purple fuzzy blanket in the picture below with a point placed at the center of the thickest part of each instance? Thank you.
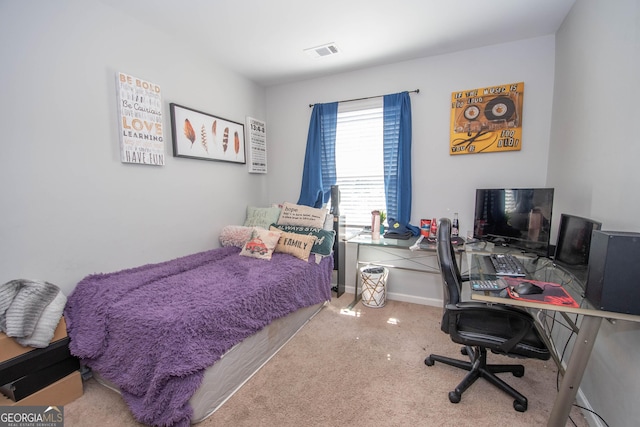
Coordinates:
(153, 330)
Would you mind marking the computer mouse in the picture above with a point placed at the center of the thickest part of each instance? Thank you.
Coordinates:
(527, 288)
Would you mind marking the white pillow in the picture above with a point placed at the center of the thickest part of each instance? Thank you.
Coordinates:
(293, 214)
(328, 222)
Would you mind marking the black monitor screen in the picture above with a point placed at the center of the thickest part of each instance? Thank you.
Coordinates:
(574, 240)
(519, 217)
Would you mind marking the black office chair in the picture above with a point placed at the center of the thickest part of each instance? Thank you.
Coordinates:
(480, 327)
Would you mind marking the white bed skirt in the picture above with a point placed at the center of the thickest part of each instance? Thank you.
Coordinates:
(240, 363)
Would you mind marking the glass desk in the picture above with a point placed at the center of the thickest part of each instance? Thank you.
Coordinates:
(422, 259)
(543, 269)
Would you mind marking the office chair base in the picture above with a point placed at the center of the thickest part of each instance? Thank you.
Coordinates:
(478, 367)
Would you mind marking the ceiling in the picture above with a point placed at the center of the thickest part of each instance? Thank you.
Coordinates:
(265, 40)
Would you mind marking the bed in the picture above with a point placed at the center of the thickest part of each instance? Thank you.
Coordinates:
(178, 338)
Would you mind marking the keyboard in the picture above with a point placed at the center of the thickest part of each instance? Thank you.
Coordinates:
(488, 285)
(507, 265)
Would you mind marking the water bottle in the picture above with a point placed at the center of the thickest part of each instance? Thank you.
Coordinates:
(434, 228)
(375, 226)
(455, 226)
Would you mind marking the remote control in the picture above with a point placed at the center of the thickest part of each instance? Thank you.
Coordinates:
(488, 285)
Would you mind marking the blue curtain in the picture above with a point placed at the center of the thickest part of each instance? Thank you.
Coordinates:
(319, 172)
(397, 157)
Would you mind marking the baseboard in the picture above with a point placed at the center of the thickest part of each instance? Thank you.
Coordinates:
(591, 418)
(393, 296)
(414, 299)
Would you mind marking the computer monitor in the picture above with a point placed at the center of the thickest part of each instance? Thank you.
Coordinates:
(518, 217)
(574, 242)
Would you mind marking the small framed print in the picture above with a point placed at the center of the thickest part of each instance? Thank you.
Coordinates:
(257, 150)
(198, 135)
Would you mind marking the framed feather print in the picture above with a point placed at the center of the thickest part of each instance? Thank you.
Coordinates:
(198, 135)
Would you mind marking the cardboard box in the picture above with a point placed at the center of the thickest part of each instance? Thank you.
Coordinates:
(33, 361)
(9, 348)
(60, 393)
(35, 381)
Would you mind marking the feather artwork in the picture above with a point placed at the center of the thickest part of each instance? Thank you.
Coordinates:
(225, 140)
(214, 130)
(189, 132)
(203, 139)
(236, 142)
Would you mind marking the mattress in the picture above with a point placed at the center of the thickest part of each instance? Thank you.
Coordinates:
(240, 363)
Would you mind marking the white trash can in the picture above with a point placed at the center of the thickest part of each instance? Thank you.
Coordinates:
(374, 285)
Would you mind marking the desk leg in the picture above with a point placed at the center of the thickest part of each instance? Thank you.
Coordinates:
(356, 297)
(575, 369)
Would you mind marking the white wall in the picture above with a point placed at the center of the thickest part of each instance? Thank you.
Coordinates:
(593, 165)
(69, 206)
(442, 184)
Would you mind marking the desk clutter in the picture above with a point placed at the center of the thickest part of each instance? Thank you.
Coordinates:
(398, 231)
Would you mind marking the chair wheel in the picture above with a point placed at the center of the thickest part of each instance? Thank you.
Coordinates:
(464, 351)
(428, 361)
(519, 372)
(454, 397)
(520, 407)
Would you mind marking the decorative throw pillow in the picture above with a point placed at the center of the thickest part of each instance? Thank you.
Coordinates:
(293, 214)
(235, 235)
(261, 244)
(324, 239)
(261, 217)
(298, 245)
(328, 222)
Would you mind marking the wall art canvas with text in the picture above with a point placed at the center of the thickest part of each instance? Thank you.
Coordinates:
(140, 116)
(487, 119)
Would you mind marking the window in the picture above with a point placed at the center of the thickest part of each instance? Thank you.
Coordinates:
(360, 160)
(320, 166)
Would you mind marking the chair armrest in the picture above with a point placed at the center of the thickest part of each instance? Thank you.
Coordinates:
(476, 306)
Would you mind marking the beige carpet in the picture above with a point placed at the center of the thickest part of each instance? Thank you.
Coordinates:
(359, 368)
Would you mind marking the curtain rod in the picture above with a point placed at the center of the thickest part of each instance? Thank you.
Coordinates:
(369, 97)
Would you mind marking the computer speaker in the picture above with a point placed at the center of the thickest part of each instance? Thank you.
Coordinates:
(613, 282)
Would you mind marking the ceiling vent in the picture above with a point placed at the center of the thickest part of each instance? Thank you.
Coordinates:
(324, 50)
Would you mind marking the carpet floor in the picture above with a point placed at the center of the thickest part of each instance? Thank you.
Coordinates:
(360, 367)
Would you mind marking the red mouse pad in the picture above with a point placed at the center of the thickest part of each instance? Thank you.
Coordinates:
(552, 293)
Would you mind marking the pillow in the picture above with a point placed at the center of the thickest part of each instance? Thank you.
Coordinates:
(324, 239)
(293, 214)
(261, 217)
(328, 222)
(235, 235)
(298, 245)
(261, 244)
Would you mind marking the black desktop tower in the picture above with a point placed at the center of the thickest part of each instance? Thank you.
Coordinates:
(613, 282)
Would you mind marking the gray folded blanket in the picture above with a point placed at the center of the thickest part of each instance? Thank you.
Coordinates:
(30, 311)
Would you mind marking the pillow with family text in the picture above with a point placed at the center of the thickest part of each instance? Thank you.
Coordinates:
(298, 245)
(292, 214)
(324, 238)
